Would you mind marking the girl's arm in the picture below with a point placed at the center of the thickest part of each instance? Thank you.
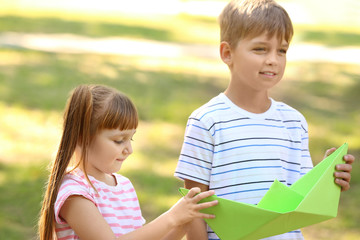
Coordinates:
(88, 223)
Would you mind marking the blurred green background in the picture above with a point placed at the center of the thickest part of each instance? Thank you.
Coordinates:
(169, 68)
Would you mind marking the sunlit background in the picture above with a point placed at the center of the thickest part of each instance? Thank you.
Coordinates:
(164, 55)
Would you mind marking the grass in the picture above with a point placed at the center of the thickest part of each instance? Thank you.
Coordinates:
(21, 185)
(34, 86)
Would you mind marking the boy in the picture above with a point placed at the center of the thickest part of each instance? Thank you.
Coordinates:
(241, 140)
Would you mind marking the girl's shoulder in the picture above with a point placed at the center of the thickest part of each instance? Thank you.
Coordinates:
(122, 180)
(74, 180)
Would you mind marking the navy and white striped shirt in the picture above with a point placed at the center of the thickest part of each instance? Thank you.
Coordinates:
(239, 154)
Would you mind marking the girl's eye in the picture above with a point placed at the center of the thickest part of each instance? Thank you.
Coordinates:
(118, 142)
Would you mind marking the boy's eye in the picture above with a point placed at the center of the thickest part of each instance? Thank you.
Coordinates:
(259, 49)
(283, 51)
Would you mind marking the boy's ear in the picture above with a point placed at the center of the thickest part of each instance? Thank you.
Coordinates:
(225, 53)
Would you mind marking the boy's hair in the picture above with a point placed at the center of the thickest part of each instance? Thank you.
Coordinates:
(250, 18)
(89, 109)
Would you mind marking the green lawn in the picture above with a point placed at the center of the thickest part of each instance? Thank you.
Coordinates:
(34, 86)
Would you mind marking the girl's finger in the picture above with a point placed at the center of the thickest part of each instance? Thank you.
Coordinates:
(192, 192)
(204, 215)
(203, 195)
(207, 204)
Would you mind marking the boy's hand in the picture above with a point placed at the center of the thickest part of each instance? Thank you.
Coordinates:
(343, 177)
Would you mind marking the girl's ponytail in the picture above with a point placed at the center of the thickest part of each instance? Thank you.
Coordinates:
(76, 130)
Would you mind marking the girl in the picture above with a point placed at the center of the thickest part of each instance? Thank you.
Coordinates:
(85, 198)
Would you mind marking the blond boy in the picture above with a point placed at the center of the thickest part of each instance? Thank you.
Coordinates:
(242, 140)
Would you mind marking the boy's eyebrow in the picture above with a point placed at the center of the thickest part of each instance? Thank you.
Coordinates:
(264, 43)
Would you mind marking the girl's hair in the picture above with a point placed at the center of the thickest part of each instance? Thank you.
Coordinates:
(250, 18)
(89, 109)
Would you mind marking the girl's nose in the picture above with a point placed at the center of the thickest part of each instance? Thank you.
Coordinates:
(128, 148)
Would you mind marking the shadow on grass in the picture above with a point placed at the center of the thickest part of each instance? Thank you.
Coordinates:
(91, 28)
(44, 81)
(330, 38)
(51, 25)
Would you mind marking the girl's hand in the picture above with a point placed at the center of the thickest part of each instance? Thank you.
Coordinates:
(343, 177)
(187, 208)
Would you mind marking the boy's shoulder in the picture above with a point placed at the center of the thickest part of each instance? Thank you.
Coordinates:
(285, 109)
(220, 108)
(210, 108)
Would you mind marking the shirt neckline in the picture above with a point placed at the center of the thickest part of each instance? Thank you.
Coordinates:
(263, 115)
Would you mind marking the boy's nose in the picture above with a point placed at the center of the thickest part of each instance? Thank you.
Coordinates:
(272, 59)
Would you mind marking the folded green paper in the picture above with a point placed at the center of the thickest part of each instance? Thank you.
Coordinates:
(311, 199)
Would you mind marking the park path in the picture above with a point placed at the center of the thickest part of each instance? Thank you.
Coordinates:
(75, 44)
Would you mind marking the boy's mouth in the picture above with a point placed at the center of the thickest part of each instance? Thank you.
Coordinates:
(268, 73)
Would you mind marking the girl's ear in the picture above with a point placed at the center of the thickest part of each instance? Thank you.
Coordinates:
(225, 53)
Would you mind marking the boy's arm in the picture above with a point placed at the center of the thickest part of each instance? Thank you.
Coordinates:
(177, 233)
(197, 228)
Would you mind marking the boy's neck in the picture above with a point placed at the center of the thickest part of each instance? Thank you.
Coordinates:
(254, 102)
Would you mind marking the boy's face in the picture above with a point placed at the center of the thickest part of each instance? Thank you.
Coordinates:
(257, 63)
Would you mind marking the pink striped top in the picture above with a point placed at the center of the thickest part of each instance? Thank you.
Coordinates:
(118, 204)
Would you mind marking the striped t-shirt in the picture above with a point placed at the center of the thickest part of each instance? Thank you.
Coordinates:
(239, 154)
(118, 204)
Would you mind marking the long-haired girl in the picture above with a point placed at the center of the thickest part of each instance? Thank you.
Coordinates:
(85, 197)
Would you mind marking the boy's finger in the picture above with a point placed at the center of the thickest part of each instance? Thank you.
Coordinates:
(329, 151)
(343, 175)
(343, 184)
(344, 167)
(349, 159)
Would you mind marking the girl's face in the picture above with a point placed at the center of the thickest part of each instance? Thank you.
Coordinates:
(108, 151)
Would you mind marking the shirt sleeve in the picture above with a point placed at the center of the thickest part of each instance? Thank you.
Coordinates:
(195, 161)
(70, 187)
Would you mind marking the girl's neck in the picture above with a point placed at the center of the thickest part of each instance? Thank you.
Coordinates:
(108, 179)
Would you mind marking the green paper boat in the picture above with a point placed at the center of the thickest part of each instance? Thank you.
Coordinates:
(311, 199)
